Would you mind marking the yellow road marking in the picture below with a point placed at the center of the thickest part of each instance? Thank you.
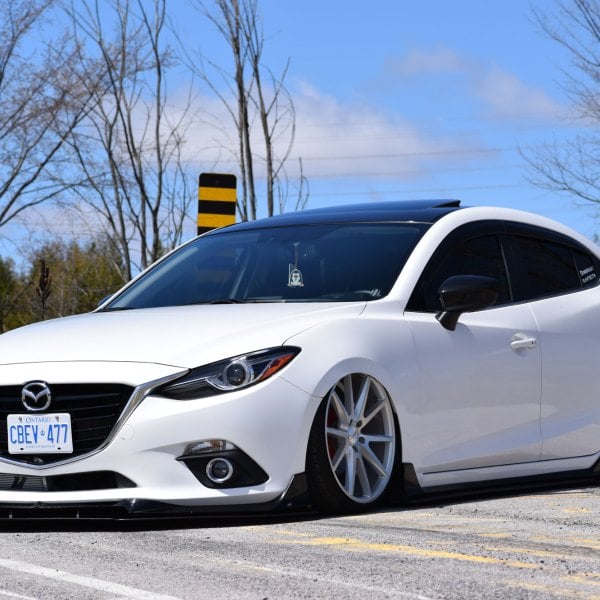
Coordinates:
(294, 533)
(530, 551)
(580, 542)
(357, 545)
(594, 544)
(588, 578)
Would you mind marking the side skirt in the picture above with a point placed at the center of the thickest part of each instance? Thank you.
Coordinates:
(414, 493)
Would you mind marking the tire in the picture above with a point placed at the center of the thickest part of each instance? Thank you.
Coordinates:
(351, 455)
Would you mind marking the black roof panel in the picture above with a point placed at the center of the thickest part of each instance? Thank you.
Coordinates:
(423, 211)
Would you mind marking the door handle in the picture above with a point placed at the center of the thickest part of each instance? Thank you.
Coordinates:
(520, 341)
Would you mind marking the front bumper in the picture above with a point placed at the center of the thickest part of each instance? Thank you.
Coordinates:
(139, 473)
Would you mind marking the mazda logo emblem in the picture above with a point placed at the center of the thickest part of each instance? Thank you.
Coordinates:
(36, 396)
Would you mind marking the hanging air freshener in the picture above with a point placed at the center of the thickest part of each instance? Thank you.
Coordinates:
(295, 278)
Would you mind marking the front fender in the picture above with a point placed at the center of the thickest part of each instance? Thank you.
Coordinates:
(379, 345)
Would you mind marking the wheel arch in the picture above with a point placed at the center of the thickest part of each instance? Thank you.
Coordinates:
(379, 345)
(365, 366)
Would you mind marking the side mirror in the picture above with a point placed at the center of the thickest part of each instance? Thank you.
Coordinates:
(465, 293)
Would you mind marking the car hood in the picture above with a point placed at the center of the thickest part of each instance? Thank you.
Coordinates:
(184, 336)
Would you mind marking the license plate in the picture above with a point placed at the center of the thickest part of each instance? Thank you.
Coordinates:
(48, 433)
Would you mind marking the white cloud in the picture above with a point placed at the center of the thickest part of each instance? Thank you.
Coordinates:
(426, 62)
(502, 93)
(345, 139)
(333, 139)
(338, 139)
(506, 95)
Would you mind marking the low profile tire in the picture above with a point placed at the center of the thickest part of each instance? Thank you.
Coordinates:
(352, 446)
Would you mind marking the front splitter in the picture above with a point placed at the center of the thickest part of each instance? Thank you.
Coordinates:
(296, 497)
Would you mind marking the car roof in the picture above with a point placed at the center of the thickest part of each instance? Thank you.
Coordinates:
(420, 211)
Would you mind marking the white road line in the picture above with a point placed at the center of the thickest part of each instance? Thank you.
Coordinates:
(8, 594)
(122, 591)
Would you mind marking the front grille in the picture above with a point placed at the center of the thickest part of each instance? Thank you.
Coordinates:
(94, 410)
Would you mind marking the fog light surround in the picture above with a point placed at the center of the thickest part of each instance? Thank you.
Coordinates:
(219, 470)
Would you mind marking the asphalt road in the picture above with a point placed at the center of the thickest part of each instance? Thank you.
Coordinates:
(528, 545)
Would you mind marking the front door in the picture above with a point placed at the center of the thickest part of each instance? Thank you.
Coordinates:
(481, 390)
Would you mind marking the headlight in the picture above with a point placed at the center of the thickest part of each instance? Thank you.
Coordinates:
(227, 375)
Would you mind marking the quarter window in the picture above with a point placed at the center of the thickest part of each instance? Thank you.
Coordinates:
(549, 267)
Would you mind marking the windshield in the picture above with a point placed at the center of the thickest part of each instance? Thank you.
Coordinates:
(307, 263)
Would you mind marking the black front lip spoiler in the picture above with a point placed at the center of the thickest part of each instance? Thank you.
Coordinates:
(294, 498)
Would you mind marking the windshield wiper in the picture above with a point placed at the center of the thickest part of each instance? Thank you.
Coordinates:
(116, 308)
(266, 299)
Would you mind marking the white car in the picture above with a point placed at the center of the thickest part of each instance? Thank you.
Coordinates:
(333, 357)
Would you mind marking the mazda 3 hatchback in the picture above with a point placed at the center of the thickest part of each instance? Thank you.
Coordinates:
(332, 357)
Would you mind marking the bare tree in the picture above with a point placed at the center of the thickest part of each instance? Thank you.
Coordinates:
(255, 98)
(40, 105)
(129, 148)
(300, 189)
(44, 287)
(574, 167)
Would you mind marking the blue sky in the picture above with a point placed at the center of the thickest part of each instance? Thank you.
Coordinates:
(399, 99)
(394, 99)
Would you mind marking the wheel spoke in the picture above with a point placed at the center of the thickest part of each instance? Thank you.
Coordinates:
(348, 395)
(335, 432)
(350, 471)
(368, 455)
(376, 410)
(363, 478)
(340, 451)
(339, 456)
(378, 439)
(339, 409)
(363, 394)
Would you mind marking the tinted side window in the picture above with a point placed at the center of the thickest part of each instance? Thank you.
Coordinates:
(549, 267)
(480, 255)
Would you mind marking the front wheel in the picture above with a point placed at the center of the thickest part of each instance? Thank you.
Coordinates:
(352, 445)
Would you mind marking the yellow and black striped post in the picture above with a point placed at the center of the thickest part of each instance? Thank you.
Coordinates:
(216, 201)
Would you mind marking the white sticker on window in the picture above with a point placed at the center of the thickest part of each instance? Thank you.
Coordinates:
(587, 275)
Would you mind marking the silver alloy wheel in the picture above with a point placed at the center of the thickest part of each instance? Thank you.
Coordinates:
(360, 437)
